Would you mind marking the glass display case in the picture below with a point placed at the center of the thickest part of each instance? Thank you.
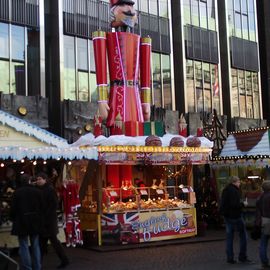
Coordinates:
(129, 198)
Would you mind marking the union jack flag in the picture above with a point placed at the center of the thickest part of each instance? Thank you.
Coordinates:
(110, 221)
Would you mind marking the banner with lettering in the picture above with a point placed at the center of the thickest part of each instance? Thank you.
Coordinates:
(135, 227)
(164, 225)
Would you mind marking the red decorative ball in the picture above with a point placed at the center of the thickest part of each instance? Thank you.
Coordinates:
(153, 140)
(193, 142)
(177, 141)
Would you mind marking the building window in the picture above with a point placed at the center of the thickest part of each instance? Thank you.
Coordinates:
(69, 68)
(166, 76)
(163, 8)
(80, 75)
(202, 86)
(200, 13)
(161, 85)
(33, 62)
(187, 10)
(245, 94)
(190, 93)
(143, 6)
(4, 58)
(156, 69)
(241, 18)
(79, 69)
(153, 7)
(19, 48)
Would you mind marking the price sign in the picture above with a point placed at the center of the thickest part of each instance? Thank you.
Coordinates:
(185, 190)
(160, 191)
(143, 192)
(113, 193)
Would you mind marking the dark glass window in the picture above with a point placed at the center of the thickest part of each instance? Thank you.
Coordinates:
(201, 44)
(205, 45)
(244, 54)
(17, 77)
(33, 64)
(197, 43)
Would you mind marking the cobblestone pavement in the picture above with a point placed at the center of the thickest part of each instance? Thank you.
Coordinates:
(188, 256)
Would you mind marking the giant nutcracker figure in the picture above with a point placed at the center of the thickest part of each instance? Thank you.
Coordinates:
(125, 104)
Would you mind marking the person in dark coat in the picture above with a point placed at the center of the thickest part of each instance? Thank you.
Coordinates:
(50, 220)
(231, 208)
(263, 220)
(25, 213)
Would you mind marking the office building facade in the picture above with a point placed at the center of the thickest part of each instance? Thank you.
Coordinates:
(205, 56)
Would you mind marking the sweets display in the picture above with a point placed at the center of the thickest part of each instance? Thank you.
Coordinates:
(193, 142)
(177, 141)
(150, 204)
(153, 140)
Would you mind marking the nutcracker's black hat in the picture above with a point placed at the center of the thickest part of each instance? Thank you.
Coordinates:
(120, 2)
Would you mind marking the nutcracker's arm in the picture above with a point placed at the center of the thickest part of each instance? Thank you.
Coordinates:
(99, 43)
(145, 76)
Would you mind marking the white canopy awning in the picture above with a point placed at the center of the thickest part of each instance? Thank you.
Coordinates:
(69, 153)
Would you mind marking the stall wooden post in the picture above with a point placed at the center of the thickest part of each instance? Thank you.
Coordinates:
(100, 177)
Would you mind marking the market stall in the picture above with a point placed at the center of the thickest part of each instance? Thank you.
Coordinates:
(117, 210)
(246, 155)
(26, 148)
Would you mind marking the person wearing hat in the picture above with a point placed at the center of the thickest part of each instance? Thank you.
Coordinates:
(263, 220)
(231, 208)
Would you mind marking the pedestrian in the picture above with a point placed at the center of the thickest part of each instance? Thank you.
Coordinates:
(50, 220)
(25, 213)
(231, 208)
(263, 220)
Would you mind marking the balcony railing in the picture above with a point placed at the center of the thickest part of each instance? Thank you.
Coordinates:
(24, 12)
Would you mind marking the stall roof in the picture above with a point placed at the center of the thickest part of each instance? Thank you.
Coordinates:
(20, 139)
(122, 140)
(247, 144)
(70, 153)
(121, 149)
(17, 132)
